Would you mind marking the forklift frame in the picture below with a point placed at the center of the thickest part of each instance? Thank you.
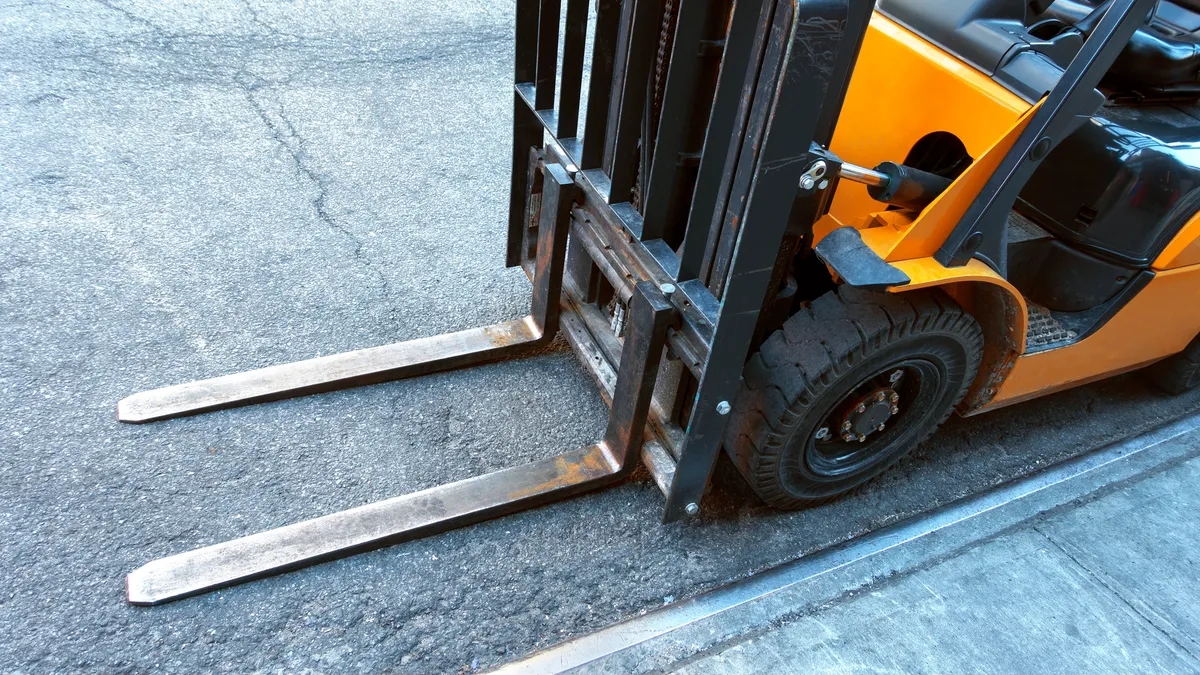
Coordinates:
(698, 249)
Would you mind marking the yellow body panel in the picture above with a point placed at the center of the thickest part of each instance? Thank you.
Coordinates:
(904, 88)
(1183, 250)
(927, 273)
(937, 221)
(1159, 321)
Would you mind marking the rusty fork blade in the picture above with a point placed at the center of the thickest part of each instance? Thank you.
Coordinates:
(365, 366)
(372, 526)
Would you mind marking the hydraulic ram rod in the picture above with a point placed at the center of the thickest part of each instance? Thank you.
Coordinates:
(897, 184)
(861, 174)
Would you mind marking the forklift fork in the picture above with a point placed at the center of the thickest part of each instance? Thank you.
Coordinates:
(440, 508)
(395, 361)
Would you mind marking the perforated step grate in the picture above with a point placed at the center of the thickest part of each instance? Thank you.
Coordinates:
(1044, 330)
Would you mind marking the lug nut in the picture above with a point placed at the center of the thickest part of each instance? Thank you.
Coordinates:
(895, 397)
(895, 409)
(880, 396)
(882, 427)
(862, 407)
(862, 438)
(847, 437)
(847, 425)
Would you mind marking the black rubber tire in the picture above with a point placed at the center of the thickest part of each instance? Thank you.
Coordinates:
(1179, 373)
(821, 355)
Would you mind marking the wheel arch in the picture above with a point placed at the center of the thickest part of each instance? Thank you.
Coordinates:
(996, 305)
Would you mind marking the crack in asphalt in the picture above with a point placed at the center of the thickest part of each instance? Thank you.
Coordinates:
(284, 133)
(131, 16)
(256, 18)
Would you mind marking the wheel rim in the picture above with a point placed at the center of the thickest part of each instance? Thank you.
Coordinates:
(829, 455)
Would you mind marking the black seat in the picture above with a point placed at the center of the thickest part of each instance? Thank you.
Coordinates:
(1155, 60)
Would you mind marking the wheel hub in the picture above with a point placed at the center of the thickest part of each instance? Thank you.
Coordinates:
(870, 414)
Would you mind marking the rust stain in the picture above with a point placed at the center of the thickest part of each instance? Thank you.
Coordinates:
(507, 334)
(569, 470)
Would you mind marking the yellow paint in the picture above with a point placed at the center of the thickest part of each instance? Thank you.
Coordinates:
(1184, 249)
(903, 89)
(937, 221)
(927, 273)
(1159, 321)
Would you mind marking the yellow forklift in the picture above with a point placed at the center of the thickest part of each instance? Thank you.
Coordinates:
(702, 226)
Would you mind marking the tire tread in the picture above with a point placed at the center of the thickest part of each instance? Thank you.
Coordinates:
(799, 361)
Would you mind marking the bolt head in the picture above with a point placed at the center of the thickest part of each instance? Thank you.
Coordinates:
(723, 408)
(862, 438)
(895, 398)
(847, 437)
(807, 182)
(667, 289)
(895, 409)
(847, 426)
(822, 433)
(896, 376)
(880, 396)
(861, 407)
(882, 427)
(692, 509)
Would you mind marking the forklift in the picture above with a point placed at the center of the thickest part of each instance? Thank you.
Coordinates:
(804, 231)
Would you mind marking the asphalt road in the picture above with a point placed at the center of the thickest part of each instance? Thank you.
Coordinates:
(192, 189)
